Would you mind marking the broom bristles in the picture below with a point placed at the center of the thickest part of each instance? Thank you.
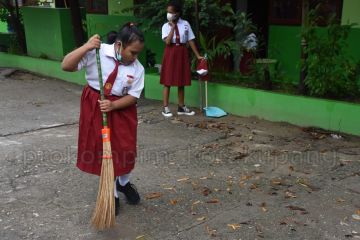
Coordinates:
(104, 213)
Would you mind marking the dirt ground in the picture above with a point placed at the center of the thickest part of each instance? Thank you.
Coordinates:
(199, 178)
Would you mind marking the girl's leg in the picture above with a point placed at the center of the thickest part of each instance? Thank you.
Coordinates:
(166, 111)
(166, 93)
(181, 93)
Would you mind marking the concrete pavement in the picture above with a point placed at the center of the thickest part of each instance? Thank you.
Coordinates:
(199, 178)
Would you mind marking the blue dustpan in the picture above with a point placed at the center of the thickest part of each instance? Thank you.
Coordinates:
(214, 112)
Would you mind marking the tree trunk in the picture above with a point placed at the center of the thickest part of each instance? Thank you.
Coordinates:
(77, 22)
(302, 86)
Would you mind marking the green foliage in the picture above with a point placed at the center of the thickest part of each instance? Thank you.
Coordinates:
(4, 15)
(330, 71)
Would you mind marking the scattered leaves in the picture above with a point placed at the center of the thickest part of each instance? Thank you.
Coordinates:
(201, 219)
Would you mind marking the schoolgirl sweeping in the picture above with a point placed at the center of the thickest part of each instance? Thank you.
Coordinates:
(124, 77)
(175, 68)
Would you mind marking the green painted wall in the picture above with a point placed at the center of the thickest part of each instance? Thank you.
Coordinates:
(115, 7)
(41, 66)
(102, 24)
(284, 45)
(327, 114)
(48, 32)
(5, 40)
(351, 10)
(3, 27)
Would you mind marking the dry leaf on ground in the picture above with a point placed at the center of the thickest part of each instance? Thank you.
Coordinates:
(183, 179)
(206, 191)
(173, 201)
(153, 195)
(213, 201)
(234, 226)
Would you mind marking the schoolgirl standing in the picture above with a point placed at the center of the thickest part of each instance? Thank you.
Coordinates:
(175, 69)
(124, 77)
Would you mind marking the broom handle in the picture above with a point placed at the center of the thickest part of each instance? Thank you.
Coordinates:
(102, 96)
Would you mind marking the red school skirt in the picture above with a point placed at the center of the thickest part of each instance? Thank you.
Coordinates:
(123, 130)
(175, 68)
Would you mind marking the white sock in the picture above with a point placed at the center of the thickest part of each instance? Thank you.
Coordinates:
(124, 179)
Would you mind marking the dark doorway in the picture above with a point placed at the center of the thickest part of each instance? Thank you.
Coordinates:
(258, 10)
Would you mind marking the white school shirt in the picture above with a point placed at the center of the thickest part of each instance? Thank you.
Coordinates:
(129, 80)
(185, 31)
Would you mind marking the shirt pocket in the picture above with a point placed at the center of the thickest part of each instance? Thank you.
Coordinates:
(127, 84)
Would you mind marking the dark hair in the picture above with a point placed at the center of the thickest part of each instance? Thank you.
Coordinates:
(176, 5)
(129, 33)
(111, 37)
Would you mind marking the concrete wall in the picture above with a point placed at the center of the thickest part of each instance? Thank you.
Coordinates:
(48, 31)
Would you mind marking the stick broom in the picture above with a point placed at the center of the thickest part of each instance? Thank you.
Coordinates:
(104, 213)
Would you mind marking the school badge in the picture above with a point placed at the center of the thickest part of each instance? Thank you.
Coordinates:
(108, 86)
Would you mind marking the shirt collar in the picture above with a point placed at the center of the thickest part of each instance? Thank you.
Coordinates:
(180, 21)
(109, 50)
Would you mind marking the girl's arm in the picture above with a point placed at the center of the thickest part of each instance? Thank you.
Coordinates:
(171, 34)
(194, 48)
(107, 105)
(71, 60)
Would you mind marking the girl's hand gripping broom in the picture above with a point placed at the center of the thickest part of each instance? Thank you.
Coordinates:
(104, 213)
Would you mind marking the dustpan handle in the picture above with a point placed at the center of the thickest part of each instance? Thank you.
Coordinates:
(206, 95)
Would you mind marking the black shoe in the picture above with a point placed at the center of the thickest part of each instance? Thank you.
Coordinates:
(117, 206)
(131, 194)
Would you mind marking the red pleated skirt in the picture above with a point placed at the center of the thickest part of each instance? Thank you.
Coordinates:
(175, 68)
(123, 130)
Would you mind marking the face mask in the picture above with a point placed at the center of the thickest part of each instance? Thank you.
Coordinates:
(118, 53)
(170, 16)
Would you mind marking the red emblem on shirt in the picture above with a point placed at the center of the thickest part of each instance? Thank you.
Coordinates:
(108, 86)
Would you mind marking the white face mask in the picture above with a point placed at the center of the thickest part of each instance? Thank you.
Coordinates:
(170, 16)
(118, 53)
